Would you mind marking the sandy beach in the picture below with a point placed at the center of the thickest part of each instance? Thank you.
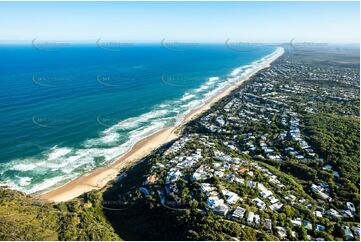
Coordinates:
(101, 176)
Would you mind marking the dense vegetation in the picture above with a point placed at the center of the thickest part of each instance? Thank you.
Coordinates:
(24, 218)
(337, 138)
(327, 107)
(123, 209)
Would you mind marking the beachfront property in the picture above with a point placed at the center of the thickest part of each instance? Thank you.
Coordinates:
(162, 139)
(225, 163)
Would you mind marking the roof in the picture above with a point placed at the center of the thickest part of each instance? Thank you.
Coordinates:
(307, 224)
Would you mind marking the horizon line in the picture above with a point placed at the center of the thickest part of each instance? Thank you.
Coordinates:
(166, 41)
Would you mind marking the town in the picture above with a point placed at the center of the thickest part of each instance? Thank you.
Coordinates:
(255, 161)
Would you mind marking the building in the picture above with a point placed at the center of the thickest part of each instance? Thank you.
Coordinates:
(221, 209)
(307, 224)
(268, 224)
(217, 205)
(259, 203)
(173, 175)
(297, 222)
(250, 217)
(351, 207)
(282, 232)
(348, 233)
(232, 197)
(320, 227)
(238, 213)
(334, 213)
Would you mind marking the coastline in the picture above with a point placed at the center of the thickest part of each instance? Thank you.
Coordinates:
(98, 178)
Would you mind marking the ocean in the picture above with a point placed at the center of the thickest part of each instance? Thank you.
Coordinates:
(68, 109)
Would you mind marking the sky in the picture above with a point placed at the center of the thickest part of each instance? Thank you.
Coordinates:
(330, 22)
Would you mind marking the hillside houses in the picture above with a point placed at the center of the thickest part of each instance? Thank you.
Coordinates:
(245, 159)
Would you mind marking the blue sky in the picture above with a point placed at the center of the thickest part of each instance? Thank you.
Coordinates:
(181, 21)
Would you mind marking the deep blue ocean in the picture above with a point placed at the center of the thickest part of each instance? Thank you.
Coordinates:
(68, 110)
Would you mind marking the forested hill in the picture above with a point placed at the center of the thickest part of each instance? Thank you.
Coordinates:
(24, 218)
(277, 159)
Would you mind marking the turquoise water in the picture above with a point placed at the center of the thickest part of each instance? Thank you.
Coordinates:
(70, 110)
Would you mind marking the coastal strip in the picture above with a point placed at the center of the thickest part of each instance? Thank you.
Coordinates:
(98, 178)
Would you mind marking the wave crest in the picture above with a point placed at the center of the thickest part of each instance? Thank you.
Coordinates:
(61, 164)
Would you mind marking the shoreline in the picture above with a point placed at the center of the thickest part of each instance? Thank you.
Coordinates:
(100, 177)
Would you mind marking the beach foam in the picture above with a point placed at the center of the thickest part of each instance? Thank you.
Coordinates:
(55, 152)
(65, 163)
(24, 181)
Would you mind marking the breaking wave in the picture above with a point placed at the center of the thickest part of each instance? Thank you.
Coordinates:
(59, 165)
